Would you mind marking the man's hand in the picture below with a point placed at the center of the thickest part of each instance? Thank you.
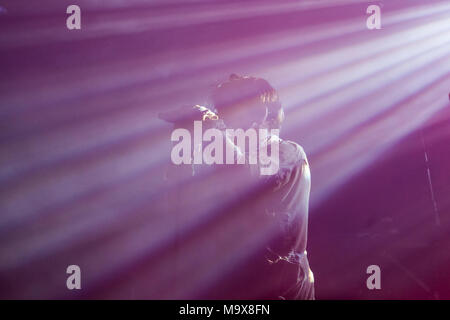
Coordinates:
(207, 114)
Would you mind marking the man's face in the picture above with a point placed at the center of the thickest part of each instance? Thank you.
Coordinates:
(244, 114)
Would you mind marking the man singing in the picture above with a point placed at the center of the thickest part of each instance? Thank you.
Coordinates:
(279, 203)
(248, 231)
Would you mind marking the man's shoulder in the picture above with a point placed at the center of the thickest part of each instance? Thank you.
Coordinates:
(291, 154)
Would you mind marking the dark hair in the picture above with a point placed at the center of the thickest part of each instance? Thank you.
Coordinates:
(256, 95)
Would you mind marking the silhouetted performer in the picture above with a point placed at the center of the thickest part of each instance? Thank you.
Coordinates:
(254, 245)
(280, 269)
